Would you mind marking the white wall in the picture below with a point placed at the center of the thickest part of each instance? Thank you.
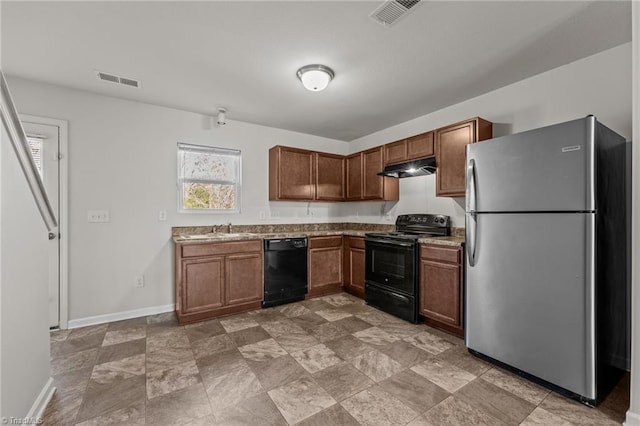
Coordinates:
(599, 85)
(24, 301)
(122, 158)
(24, 322)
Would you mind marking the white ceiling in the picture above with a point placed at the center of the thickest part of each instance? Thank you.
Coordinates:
(242, 55)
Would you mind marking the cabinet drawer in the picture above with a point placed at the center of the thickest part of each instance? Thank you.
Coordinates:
(440, 253)
(209, 249)
(322, 242)
(355, 242)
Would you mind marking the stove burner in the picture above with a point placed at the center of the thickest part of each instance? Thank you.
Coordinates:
(415, 226)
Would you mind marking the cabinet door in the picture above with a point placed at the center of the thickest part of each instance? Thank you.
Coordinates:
(451, 143)
(325, 265)
(354, 266)
(440, 292)
(202, 284)
(420, 146)
(244, 278)
(395, 152)
(330, 174)
(451, 156)
(294, 177)
(372, 165)
(354, 176)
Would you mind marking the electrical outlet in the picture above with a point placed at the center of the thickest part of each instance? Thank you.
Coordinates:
(98, 216)
(139, 281)
(262, 214)
(162, 215)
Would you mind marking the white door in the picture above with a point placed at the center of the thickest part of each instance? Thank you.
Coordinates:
(45, 146)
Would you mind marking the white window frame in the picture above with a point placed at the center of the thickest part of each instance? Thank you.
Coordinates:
(212, 150)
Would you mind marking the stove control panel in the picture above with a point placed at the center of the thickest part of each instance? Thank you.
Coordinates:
(430, 220)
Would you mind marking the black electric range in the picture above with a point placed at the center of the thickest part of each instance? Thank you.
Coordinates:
(391, 262)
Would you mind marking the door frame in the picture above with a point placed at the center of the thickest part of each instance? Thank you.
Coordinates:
(63, 219)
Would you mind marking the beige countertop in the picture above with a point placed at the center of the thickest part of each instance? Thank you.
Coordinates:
(199, 238)
(244, 236)
(443, 241)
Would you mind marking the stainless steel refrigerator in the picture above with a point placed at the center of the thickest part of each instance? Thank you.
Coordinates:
(546, 235)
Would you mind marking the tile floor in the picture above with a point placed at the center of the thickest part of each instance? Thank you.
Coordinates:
(327, 361)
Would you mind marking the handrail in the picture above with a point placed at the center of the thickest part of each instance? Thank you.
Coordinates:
(18, 139)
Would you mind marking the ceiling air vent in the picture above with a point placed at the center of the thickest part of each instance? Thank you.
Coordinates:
(391, 11)
(117, 79)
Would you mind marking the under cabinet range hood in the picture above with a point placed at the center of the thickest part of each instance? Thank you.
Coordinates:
(422, 167)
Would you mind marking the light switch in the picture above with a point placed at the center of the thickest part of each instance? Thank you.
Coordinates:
(98, 216)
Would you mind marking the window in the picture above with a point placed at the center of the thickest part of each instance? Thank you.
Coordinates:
(208, 179)
(35, 144)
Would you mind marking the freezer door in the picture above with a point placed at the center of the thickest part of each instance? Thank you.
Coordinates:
(547, 169)
(530, 296)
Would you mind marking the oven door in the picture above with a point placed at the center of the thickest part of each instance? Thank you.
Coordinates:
(391, 264)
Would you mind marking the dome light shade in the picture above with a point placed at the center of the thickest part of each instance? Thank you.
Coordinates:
(315, 77)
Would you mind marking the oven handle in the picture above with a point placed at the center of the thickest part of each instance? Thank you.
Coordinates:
(399, 296)
(388, 242)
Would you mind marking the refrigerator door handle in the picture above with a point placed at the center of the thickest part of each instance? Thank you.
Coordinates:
(470, 237)
(472, 193)
(471, 217)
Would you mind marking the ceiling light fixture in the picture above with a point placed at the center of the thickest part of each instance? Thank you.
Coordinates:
(222, 116)
(315, 77)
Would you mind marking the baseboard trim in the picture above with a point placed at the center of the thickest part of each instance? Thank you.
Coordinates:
(117, 316)
(632, 419)
(41, 402)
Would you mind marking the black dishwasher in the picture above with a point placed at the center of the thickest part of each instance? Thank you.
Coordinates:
(285, 270)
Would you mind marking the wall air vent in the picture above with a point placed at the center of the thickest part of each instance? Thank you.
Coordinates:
(391, 11)
(117, 79)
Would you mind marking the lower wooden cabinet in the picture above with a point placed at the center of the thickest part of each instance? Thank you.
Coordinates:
(325, 265)
(354, 266)
(215, 279)
(441, 287)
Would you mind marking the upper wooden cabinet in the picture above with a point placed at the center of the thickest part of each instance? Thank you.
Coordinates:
(376, 187)
(372, 164)
(329, 176)
(362, 180)
(302, 175)
(395, 152)
(451, 156)
(291, 174)
(418, 146)
(353, 179)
